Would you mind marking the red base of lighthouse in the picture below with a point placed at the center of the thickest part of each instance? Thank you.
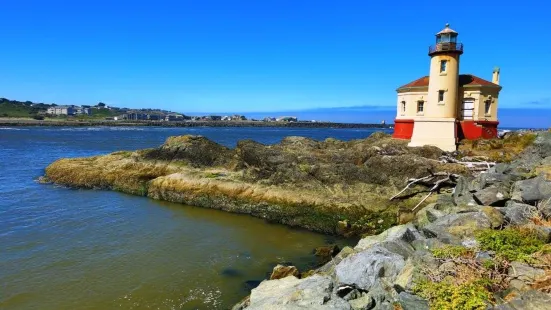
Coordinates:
(403, 128)
(470, 130)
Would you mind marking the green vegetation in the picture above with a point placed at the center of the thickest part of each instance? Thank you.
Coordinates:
(448, 295)
(452, 251)
(498, 150)
(511, 243)
(13, 108)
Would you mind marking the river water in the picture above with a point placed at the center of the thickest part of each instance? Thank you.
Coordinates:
(62, 248)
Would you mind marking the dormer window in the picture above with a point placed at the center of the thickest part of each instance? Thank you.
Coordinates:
(443, 66)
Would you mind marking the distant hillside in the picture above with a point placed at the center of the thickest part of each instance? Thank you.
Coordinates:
(14, 108)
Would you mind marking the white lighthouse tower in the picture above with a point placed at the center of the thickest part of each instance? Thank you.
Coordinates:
(435, 121)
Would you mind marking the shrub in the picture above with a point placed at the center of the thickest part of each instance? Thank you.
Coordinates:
(447, 295)
(452, 251)
(511, 243)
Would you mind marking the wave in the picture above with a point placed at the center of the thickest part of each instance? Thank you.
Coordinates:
(101, 129)
(11, 128)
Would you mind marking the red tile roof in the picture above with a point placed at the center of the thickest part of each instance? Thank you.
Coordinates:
(464, 79)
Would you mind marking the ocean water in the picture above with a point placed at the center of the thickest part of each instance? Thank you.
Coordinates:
(63, 248)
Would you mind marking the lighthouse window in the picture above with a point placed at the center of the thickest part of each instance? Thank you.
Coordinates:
(420, 106)
(403, 106)
(440, 96)
(443, 65)
(487, 107)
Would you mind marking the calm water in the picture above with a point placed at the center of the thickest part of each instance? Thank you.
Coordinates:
(65, 249)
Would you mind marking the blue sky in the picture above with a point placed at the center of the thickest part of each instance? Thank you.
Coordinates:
(261, 56)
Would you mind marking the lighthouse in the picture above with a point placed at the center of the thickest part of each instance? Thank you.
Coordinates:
(445, 107)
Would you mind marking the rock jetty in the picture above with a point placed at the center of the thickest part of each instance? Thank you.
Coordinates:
(483, 246)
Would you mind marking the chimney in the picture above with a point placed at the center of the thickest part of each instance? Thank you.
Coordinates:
(495, 76)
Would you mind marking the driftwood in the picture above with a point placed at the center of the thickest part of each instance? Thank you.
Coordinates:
(481, 165)
(435, 181)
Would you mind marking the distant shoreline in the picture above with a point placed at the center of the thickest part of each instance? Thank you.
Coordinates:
(86, 123)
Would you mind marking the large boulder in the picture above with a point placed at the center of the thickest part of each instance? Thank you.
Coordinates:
(495, 195)
(291, 293)
(532, 190)
(517, 213)
(484, 180)
(366, 268)
(406, 233)
(454, 228)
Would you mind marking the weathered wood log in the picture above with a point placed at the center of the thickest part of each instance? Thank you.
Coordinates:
(433, 181)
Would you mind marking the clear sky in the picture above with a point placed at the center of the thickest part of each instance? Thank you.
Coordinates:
(262, 55)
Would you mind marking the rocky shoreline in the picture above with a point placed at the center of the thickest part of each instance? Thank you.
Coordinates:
(480, 244)
(125, 123)
(484, 246)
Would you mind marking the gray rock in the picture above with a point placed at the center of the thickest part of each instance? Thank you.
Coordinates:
(529, 300)
(330, 266)
(524, 272)
(518, 285)
(433, 214)
(412, 302)
(488, 179)
(426, 244)
(366, 268)
(405, 279)
(406, 233)
(462, 193)
(494, 195)
(495, 217)
(365, 302)
(532, 190)
(544, 206)
(542, 144)
(516, 213)
(501, 168)
(453, 228)
(291, 293)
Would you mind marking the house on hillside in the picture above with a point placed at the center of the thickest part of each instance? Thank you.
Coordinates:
(70, 110)
(445, 107)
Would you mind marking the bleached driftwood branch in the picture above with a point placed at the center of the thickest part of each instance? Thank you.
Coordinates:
(432, 180)
(481, 165)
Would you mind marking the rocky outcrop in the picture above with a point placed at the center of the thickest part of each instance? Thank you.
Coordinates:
(328, 186)
(281, 271)
(487, 252)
